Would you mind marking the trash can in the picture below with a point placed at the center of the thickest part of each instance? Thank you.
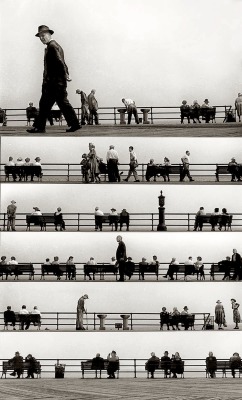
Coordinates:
(59, 371)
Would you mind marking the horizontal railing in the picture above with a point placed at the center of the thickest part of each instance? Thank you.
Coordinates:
(79, 273)
(73, 170)
(132, 368)
(111, 114)
(80, 221)
(60, 320)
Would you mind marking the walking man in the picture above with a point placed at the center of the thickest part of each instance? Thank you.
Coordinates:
(84, 107)
(185, 169)
(133, 164)
(80, 311)
(93, 107)
(121, 257)
(131, 110)
(112, 165)
(11, 213)
(54, 85)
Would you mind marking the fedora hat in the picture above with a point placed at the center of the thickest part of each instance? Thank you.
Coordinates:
(42, 29)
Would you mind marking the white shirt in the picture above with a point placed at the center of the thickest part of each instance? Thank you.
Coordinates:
(133, 156)
(23, 311)
(35, 312)
(99, 212)
(91, 262)
(13, 262)
(112, 155)
(128, 102)
(10, 164)
(188, 262)
(186, 159)
(36, 213)
(37, 163)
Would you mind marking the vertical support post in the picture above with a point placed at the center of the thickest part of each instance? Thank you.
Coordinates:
(188, 222)
(161, 226)
(143, 173)
(135, 368)
(68, 172)
(115, 117)
(152, 222)
(57, 321)
(151, 115)
(78, 221)
(4, 221)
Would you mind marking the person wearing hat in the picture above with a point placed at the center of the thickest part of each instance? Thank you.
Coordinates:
(113, 218)
(93, 107)
(121, 257)
(124, 219)
(17, 363)
(31, 113)
(236, 264)
(31, 362)
(80, 311)
(236, 313)
(164, 319)
(84, 107)
(55, 78)
(207, 109)
(113, 364)
(238, 105)
(220, 315)
(112, 164)
(36, 211)
(234, 169)
(11, 215)
(185, 111)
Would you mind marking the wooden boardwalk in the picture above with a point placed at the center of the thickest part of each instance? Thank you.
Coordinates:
(161, 130)
(135, 389)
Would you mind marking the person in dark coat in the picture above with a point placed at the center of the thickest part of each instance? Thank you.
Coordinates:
(97, 362)
(152, 364)
(211, 364)
(121, 257)
(31, 366)
(54, 85)
(236, 264)
(59, 220)
(9, 317)
(17, 363)
(165, 363)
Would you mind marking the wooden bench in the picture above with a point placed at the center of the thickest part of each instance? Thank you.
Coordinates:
(162, 170)
(8, 367)
(58, 270)
(23, 172)
(188, 320)
(34, 319)
(100, 269)
(224, 220)
(206, 113)
(149, 269)
(166, 366)
(219, 269)
(224, 366)
(40, 220)
(228, 170)
(87, 366)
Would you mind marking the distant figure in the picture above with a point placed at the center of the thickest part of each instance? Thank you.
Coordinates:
(175, 315)
(59, 221)
(131, 110)
(24, 318)
(129, 267)
(236, 313)
(124, 219)
(214, 218)
(121, 257)
(198, 221)
(11, 163)
(238, 105)
(31, 113)
(199, 268)
(173, 267)
(11, 215)
(90, 262)
(98, 214)
(70, 268)
(80, 311)
(93, 160)
(223, 221)
(225, 266)
(236, 264)
(164, 319)
(185, 313)
(17, 363)
(9, 317)
(98, 362)
(220, 315)
(185, 111)
(185, 169)
(85, 167)
(84, 107)
(206, 106)
(3, 117)
(195, 112)
(176, 365)
(57, 270)
(31, 366)
(211, 364)
(234, 168)
(152, 364)
(113, 364)
(93, 107)
(133, 164)
(165, 362)
(143, 267)
(235, 363)
(113, 218)
(54, 85)
(112, 164)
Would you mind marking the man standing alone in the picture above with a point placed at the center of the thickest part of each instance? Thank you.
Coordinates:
(80, 311)
(121, 257)
(185, 169)
(133, 164)
(131, 110)
(112, 165)
(11, 213)
(93, 107)
(54, 85)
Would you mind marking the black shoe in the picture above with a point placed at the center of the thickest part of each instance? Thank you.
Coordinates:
(126, 180)
(137, 180)
(191, 180)
(74, 128)
(35, 130)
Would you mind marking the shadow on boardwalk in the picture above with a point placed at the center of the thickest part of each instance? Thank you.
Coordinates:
(161, 130)
(95, 389)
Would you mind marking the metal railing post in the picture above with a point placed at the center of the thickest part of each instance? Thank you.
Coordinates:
(188, 222)
(143, 173)
(131, 321)
(4, 221)
(135, 368)
(68, 172)
(57, 321)
(151, 115)
(152, 222)
(94, 322)
(114, 112)
(78, 221)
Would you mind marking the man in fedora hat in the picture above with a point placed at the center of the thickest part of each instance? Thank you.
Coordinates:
(80, 311)
(54, 85)
(121, 257)
(11, 213)
(113, 218)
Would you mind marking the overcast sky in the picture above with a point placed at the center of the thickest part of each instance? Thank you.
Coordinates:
(70, 150)
(156, 52)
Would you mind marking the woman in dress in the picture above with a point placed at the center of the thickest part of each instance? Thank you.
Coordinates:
(219, 315)
(199, 268)
(94, 170)
(236, 313)
(177, 365)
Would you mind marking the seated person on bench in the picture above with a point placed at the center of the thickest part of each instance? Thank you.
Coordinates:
(90, 262)
(173, 267)
(235, 363)
(207, 109)
(98, 219)
(32, 366)
(70, 268)
(97, 363)
(198, 221)
(223, 219)
(164, 319)
(165, 363)
(225, 266)
(129, 267)
(9, 317)
(113, 364)
(214, 218)
(152, 364)
(176, 365)
(34, 314)
(155, 261)
(59, 221)
(233, 168)
(57, 272)
(13, 261)
(124, 219)
(113, 218)
(24, 318)
(199, 268)
(142, 266)
(11, 163)
(175, 316)
(167, 164)
(4, 267)
(211, 364)
(185, 111)
(185, 315)
(17, 363)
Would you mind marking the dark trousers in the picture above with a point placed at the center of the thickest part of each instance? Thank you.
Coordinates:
(121, 270)
(113, 172)
(52, 93)
(132, 110)
(185, 172)
(93, 114)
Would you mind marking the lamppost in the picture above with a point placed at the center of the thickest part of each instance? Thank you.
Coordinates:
(161, 226)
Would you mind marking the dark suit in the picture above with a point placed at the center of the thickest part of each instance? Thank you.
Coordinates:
(236, 264)
(121, 257)
(54, 87)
